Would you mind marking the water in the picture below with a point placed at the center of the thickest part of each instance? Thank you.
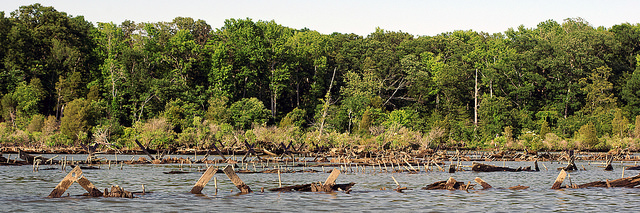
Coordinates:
(22, 190)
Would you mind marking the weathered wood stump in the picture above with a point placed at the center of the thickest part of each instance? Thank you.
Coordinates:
(450, 184)
(117, 191)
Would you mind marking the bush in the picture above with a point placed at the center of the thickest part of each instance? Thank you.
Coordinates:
(294, 118)
(36, 124)
(588, 136)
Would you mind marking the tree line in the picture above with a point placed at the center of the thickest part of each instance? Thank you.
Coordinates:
(65, 81)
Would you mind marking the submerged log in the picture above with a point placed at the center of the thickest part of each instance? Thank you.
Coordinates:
(450, 184)
(629, 182)
(228, 170)
(204, 179)
(328, 186)
(66, 182)
(518, 187)
(480, 167)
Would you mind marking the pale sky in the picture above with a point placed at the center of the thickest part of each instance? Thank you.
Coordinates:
(361, 17)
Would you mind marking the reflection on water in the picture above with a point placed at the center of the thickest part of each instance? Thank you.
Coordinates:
(24, 190)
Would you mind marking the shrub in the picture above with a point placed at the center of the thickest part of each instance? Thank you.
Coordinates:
(294, 118)
(588, 136)
(36, 124)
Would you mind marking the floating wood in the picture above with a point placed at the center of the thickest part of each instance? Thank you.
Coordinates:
(228, 170)
(558, 183)
(91, 189)
(66, 182)
(484, 185)
(204, 179)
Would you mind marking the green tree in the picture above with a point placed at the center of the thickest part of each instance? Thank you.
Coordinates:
(588, 135)
(77, 120)
(619, 124)
(248, 111)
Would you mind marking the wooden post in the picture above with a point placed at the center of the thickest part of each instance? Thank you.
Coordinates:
(559, 180)
(204, 179)
(87, 185)
(228, 170)
(66, 182)
(279, 179)
(331, 180)
(484, 185)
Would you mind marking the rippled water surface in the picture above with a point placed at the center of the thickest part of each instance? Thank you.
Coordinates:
(22, 190)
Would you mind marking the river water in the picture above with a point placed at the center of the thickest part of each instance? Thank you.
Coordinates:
(22, 190)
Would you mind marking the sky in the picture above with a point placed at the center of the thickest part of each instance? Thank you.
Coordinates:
(362, 17)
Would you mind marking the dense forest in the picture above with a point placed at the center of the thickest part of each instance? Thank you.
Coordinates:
(66, 82)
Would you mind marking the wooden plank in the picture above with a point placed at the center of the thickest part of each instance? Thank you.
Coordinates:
(236, 180)
(331, 180)
(204, 179)
(559, 180)
(87, 185)
(484, 185)
(66, 182)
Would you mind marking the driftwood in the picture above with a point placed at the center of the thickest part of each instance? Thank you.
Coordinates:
(76, 176)
(450, 184)
(30, 158)
(66, 183)
(117, 191)
(484, 185)
(629, 182)
(328, 186)
(228, 170)
(480, 167)
(91, 189)
(204, 179)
